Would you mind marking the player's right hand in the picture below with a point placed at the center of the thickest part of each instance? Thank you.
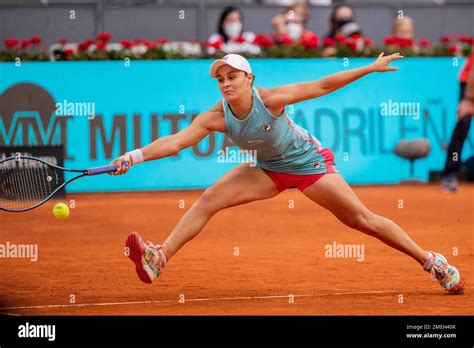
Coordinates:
(122, 168)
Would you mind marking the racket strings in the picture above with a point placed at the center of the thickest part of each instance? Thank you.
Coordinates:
(25, 183)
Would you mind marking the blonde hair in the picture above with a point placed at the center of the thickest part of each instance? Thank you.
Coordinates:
(401, 21)
(300, 5)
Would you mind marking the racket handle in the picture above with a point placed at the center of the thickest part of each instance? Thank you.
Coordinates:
(104, 169)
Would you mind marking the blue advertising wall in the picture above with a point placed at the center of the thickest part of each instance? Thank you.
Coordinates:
(149, 98)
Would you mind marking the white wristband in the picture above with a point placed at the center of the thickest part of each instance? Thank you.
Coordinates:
(136, 156)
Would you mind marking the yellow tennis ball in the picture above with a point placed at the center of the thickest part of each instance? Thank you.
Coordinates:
(61, 211)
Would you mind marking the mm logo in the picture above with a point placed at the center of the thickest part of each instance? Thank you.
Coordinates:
(27, 118)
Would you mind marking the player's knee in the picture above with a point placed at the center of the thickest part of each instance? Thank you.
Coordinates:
(365, 222)
(209, 202)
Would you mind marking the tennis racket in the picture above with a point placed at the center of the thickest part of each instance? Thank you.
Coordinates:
(27, 182)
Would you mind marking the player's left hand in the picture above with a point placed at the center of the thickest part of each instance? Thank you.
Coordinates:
(381, 64)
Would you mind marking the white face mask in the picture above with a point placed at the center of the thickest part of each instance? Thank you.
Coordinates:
(294, 30)
(233, 30)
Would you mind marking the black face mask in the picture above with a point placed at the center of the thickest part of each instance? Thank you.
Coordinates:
(341, 22)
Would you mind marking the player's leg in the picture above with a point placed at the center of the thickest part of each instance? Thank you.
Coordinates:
(240, 185)
(333, 193)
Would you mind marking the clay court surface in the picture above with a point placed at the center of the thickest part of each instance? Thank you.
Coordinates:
(282, 253)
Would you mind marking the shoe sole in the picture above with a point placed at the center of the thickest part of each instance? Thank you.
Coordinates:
(135, 254)
(457, 289)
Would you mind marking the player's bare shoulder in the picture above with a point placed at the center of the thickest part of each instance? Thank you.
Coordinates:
(268, 98)
(218, 108)
(263, 92)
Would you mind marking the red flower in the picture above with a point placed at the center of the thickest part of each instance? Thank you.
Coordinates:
(104, 37)
(444, 38)
(329, 42)
(68, 52)
(284, 39)
(351, 44)
(161, 40)
(424, 43)
(138, 41)
(25, 43)
(35, 40)
(405, 42)
(85, 45)
(63, 41)
(309, 39)
(340, 38)
(262, 40)
(216, 44)
(239, 39)
(452, 49)
(368, 41)
(127, 44)
(356, 36)
(10, 43)
(193, 40)
(464, 39)
(149, 44)
(390, 40)
(101, 45)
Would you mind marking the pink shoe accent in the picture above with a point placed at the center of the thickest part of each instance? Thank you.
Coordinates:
(137, 248)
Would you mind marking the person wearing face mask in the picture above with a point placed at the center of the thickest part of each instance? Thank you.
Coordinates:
(230, 37)
(294, 30)
(342, 22)
(292, 22)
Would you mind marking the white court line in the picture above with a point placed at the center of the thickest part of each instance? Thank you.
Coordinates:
(198, 300)
(11, 314)
(363, 292)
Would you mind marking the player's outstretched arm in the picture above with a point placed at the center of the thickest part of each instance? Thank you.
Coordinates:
(294, 93)
(203, 124)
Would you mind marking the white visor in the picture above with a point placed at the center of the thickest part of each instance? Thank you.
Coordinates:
(234, 60)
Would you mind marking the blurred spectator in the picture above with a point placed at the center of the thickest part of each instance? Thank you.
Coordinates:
(452, 167)
(403, 35)
(342, 22)
(342, 25)
(404, 28)
(291, 23)
(230, 37)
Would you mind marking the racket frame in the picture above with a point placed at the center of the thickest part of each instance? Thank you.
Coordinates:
(85, 172)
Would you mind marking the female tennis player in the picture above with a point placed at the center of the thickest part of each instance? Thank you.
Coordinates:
(287, 156)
